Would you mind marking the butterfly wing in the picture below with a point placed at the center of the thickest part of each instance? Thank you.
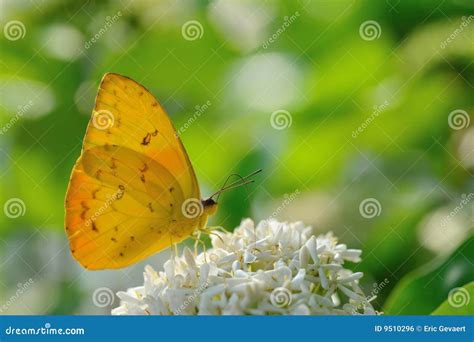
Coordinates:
(127, 189)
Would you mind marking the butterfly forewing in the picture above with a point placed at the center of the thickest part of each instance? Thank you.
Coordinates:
(125, 197)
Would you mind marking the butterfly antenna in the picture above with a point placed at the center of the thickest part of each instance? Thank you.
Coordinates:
(233, 187)
(224, 185)
(240, 182)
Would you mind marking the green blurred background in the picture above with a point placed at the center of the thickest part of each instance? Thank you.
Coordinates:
(342, 103)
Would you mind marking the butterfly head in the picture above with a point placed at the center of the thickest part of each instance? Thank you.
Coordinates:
(210, 206)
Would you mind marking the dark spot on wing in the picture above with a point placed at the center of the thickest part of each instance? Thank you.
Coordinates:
(132, 238)
(85, 207)
(119, 194)
(142, 178)
(113, 239)
(150, 207)
(171, 189)
(146, 140)
(94, 227)
(98, 173)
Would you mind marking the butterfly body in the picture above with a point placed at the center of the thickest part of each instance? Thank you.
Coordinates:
(133, 191)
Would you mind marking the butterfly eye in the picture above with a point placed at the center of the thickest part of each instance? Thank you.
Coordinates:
(208, 202)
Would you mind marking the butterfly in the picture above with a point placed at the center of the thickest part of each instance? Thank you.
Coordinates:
(133, 191)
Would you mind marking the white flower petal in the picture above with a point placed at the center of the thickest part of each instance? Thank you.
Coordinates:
(352, 277)
(189, 257)
(245, 270)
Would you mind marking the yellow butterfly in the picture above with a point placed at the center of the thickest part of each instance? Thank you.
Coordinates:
(133, 190)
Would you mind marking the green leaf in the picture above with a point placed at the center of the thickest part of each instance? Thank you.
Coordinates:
(460, 301)
(423, 290)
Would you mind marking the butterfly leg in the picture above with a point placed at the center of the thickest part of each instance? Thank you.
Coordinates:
(211, 228)
(197, 238)
(174, 249)
(211, 231)
(176, 252)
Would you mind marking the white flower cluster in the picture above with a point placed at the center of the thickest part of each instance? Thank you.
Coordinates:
(272, 268)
